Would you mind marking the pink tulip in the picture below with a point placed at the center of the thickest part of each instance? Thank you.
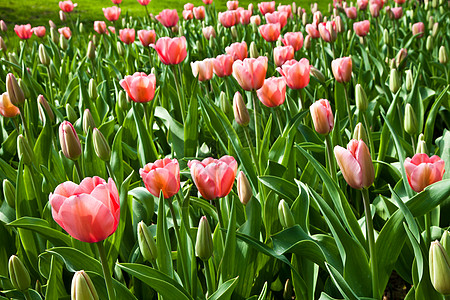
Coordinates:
(67, 6)
(162, 175)
(282, 54)
(342, 69)
(322, 116)
(208, 32)
(375, 7)
(39, 31)
(296, 73)
(127, 35)
(270, 32)
(397, 12)
(199, 12)
(7, 109)
(312, 31)
(418, 28)
(112, 29)
(223, 65)
(140, 87)
(250, 72)
(65, 31)
(147, 37)
(277, 17)
(294, 39)
(188, 6)
(203, 69)
(351, 12)
(328, 31)
(207, 2)
(355, 164)
(362, 4)
(361, 28)
(171, 51)
(273, 92)
(188, 14)
(287, 9)
(24, 32)
(255, 20)
(111, 13)
(228, 18)
(89, 212)
(400, 2)
(232, 5)
(422, 170)
(237, 50)
(69, 141)
(317, 18)
(244, 16)
(3, 26)
(266, 7)
(116, 1)
(214, 178)
(143, 2)
(100, 27)
(168, 17)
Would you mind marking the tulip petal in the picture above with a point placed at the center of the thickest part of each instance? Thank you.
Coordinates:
(350, 168)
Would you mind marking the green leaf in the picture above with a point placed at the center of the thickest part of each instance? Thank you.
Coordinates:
(429, 125)
(41, 148)
(191, 128)
(225, 290)
(164, 258)
(282, 187)
(42, 227)
(51, 291)
(341, 284)
(76, 260)
(117, 157)
(145, 152)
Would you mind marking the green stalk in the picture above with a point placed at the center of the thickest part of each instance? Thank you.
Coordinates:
(347, 101)
(110, 172)
(180, 99)
(252, 151)
(25, 127)
(27, 295)
(219, 212)
(78, 168)
(369, 136)
(209, 281)
(370, 236)
(255, 111)
(106, 271)
(277, 117)
(330, 158)
(428, 229)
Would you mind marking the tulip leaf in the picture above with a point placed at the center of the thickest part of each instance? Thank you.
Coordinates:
(167, 287)
(407, 214)
(76, 260)
(282, 187)
(117, 156)
(341, 284)
(228, 263)
(41, 148)
(175, 128)
(145, 145)
(51, 291)
(164, 258)
(191, 128)
(225, 290)
(429, 125)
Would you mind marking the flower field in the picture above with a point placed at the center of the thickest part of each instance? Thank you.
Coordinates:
(270, 151)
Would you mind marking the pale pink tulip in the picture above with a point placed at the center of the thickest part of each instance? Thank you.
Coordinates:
(296, 73)
(162, 175)
(251, 72)
(273, 92)
(422, 170)
(322, 116)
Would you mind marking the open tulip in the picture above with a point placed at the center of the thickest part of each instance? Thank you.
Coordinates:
(168, 17)
(277, 17)
(208, 32)
(162, 175)
(312, 31)
(250, 72)
(223, 65)
(273, 92)
(214, 178)
(362, 4)
(237, 50)
(270, 32)
(89, 212)
(296, 73)
(147, 37)
(328, 31)
(294, 39)
(127, 35)
(187, 15)
(361, 28)
(207, 2)
(7, 109)
(143, 2)
(285, 8)
(199, 12)
(422, 170)
(24, 32)
(203, 69)
(397, 12)
(418, 28)
(140, 87)
(351, 12)
(282, 54)
(65, 31)
(67, 6)
(232, 5)
(112, 13)
(375, 7)
(322, 116)
(244, 16)
(266, 7)
(342, 69)
(116, 1)
(355, 164)
(228, 18)
(171, 51)
(39, 31)
(188, 6)
(100, 27)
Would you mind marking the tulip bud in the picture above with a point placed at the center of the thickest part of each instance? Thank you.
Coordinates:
(317, 74)
(410, 122)
(3, 26)
(430, 22)
(234, 33)
(241, 115)
(88, 121)
(13, 58)
(386, 36)
(51, 24)
(123, 103)
(401, 55)
(349, 34)
(146, 242)
(24, 150)
(339, 24)
(91, 50)
(445, 241)
(409, 80)
(38, 287)
(43, 55)
(300, 12)
(439, 268)
(285, 215)
(330, 8)
(430, 43)
(394, 81)
(54, 35)
(253, 50)
(101, 146)
(307, 43)
(62, 16)
(95, 40)
(304, 19)
(287, 291)
(81, 27)
(15, 93)
(435, 29)
(443, 55)
(82, 287)
(63, 42)
(52, 72)
(361, 99)
(225, 105)
(360, 133)
(70, 143)
(434, 3)
(120, 49)
(422, 147)
(244, 189)
(18, 274)
(23, 86)
(204, 244)
(294, 7)
(44, 106)
(124, 22)
(70, 113)
(9, 193)
(211, 42)
(2, 45)
(92, 89)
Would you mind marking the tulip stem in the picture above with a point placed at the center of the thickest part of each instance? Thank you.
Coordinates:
(255, 111)
(413, 143)
(25, 127)
(209, 281)
(106, 271)
(180, 99)
(349, 112)
(428, 229)
(79, 172)
(27, 295)
(331, 164)
(370, 236)
(110, 172)
(277, 117)
(369, 136)
(252, 151)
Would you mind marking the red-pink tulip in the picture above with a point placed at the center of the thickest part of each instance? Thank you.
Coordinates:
(244, 16)
(65, 31)
(112, 13)
(39, 31)
(203, 69)
(266, 7)
(397, 12)
(322, 116)
(116, 1)
(361, 28)
(270, 32)
(127, 35)
(188, 14)
(232, 5)
(296, 73)
(282, 54)
(312, 31)
(277, 17)
(147, 37)
(168, 17)
(273, 92)
(223, 65)
(207, 2)
(422, 170)
(400, 2)
(418, 28)
(251, 72)
(162, 175)
(342, 69)
(143, 2)
(112, 29)
(237, 50)
(375, 7)
(7, 109)
(294, 39)
(24, 32)
(89, 212)
(255, 20)
(171, 51)
(317, 18)
(140, 87)
(188, 6)
(69, 140)
(199, 12)
(228, 18)
(351, 12)
(100, 27)
(67, 6)
(362, 4)
(328, 31)
(214, 178)
(355, 164)
(286, 8)
(208, 32)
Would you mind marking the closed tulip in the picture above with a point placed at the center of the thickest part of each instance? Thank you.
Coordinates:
(100, 27)
(418, 28)
(15, 92)
(351, 12)
(270, 32)
(250, 72)
(361, 28)
(422, 170)
(294, 39)
(223, 65)
(232, 5)
(277, 17)
(143, 2)
(147, 37)
(328, 31)
(39, 31)
(397, 12)
(312, 31)
(241, 115)
(199, 12)
(214, 178)
(209, 32)
(67, 6)
(255, 20)
(322, 116)
(342, 69)
(439, 266)
(282, 54)
(237, 50)
(266, 7)
(203, 69)
(65, 31)
(244, 16)
(296, 73)
(168, 17)
(82, 287)
(24, 32)
(362, 4)
(70, 143)
(140, 87)
(90, 211)
(355, 164)
(7, 109)
(3, 26)
(171, 51)
(228, 18)
(243, 188)
(273, 92)
(187, 15)
(112, 13)
(162, 175)
(127, 35)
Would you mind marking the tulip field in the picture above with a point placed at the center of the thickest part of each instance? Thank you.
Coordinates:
(257, 151)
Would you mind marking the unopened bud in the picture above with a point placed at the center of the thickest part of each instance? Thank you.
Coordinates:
(304, 19)
(307, 43)
(63, 42)
(81, 27)
(287, 291)
(234, 33)
(349, 34)
(3, 26)
(330, 8)
(225, 105)
(92, 89)
(300, 13)
(54, 35)
(443, 55)
(439, 263)
(445, 241)
(285, 215)
(401, 55)
(91, 50)
(430, 43)
(317, 74)
(70, 143)
(43, 55)
(435, 29)
(71, 114)
(24, 150)
(253, 50)
(386, 36)
(82, 287)
(52, 72)
(14, 91)
(23, 86)
(409, 80)
(430, 22)
(88, 121)
(204, 244)
(95, 40)
(101, 146)
(62, 16)
(394, 81)
(241, 115)
(9, 193)
(361, 99)
(2, 45)
(244, 189)
(294, 7)
(146, 242)
(339, 24)
(422, 147)
(18, 274)
(123, 103)
(44, 108)
(120, 49)
(51, 24)
(410, 122)
(360, 133)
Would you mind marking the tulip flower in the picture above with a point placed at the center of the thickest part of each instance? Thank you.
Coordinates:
(162, 175)
(312, 31)
(187, 15)
(147, 37)
(250, 72)
(39, 31)
(15, 92)
(127, 35)
(82, 287)
(282, 54)
(67, 6)
(285, 8)
(266, 7)
(90, 211)
(418, 28)
(199, 12)
(277, 17)
(317, 18)
(243, 188)
(143, 2)
(351, 12)
(294, 39)
(237, 50)
(24, 32)
(322, 116)
(395, 12)
(112, 29)
(362, 4)
(244, 16)
(422, 170)
(273, 92)
(255, 20)
(328, 31)
(355, 164)
(223, 65)
(112, 13)
(232, 5)
(168, 17)
(7, 109)
(171, 51)
(203, 69)
(207, 2)
(342, 69)
(228, 18)
(208, 32)
(361, 28)
(140, 87)
(100, 27)
(214, 178)
(65, 31)
(146, 242)
(375, 7)
(3, 26)
(116, 1)
(296, 73)
(188, 6)
(70, 143)
(270, 32)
